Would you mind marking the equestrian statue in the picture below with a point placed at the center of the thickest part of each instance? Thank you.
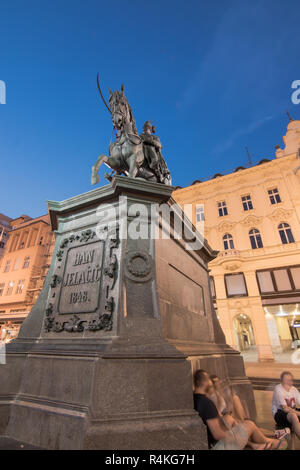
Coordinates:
(131, 154)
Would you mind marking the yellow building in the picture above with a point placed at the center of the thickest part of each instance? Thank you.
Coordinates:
(252, 217)
(23, 268)
(4, 232)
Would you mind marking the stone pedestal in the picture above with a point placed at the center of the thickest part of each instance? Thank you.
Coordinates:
(105, 358)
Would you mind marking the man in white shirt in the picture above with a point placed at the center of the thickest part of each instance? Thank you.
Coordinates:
(286, 403)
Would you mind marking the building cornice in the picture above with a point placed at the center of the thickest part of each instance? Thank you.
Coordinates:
(20, 227)
(243, 176)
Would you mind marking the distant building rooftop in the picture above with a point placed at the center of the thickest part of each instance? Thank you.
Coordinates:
(239, 168)
(5, 220)
(25, 220)
(292, 145)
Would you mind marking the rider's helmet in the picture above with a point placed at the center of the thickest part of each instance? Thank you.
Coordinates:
(147, 125)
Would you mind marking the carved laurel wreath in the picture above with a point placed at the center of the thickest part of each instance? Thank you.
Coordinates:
(140, 271)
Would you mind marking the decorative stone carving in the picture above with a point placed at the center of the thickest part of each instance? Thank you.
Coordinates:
(57, 327)
(55, 280)
(87, 235)
(79, 289)
(225, 226)
(239, 304)
(138, 266)
(72, 238)
(251, 220)
(280, 214)
(112, 269)
(49, 318)
(74, 324)
(64, 243)
(59, 255)
(114, 238)
(232, 266)
(112, 233)
(104, 322)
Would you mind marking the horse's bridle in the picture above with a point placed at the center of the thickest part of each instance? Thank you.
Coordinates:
(123, 115)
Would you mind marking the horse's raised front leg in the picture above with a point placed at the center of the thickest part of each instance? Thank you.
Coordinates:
(95, 178)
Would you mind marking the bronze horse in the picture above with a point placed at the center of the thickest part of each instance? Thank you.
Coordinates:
(126, 153)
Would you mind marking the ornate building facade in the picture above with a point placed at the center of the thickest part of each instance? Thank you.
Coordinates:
(252, 217)
(23, 269)
(4, 232)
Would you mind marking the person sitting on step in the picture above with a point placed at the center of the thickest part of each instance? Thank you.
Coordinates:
(228, 401)
(286, 404)
(225, 433)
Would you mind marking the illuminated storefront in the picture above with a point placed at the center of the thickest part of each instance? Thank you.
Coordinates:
(284, 326)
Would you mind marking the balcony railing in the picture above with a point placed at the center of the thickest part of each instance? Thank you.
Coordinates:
(229, 254)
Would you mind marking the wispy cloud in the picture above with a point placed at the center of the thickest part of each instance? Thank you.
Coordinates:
(238, 52)
(228, 143)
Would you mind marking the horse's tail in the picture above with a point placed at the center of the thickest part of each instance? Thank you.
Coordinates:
(95, 178)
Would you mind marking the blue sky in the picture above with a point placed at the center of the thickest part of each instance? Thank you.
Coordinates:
(214, 77)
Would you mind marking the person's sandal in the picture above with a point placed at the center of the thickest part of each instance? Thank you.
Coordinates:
(268, 446)
(282, 445)
(281, 433)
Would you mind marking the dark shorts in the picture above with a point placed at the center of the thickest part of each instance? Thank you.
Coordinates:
(281, 419)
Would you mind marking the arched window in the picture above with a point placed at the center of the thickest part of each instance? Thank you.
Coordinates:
(255, 239)
(285, 233)
(228, 242)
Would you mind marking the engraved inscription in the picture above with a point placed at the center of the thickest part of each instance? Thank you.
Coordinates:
(80, 289)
